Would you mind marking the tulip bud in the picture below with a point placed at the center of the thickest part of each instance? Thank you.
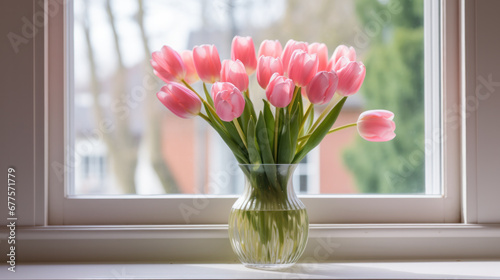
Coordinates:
(228, 101)
(290, 47)
(168, 65)
(280, 90)
(322, 87)
(207, 63)
(180, 100)
(270, 48)
(351, 76)
(243, 49)
(376, 125)
(321, 52)
(266, 67)
(340, 51)
(302, 67)
(191, 75)
(234, 72)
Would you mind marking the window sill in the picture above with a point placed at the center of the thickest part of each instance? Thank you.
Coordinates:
(210, 243)
(344, 270)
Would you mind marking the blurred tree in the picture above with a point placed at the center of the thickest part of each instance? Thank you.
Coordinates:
(394, 81)
(121, 143)
(300, 22)
(152, 130)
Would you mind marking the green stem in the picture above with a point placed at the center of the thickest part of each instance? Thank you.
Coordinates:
(207, 95)
(304, 119)
(295, 91)
(189, 87)
(336, 98)
(276, 128)
(240, 132)
(203, 116)
(212, 110)
(305, 137)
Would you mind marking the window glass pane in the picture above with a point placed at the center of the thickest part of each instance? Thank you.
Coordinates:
(126, 142)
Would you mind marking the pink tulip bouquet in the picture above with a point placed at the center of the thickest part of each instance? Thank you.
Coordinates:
(268, 225)
(294, 79)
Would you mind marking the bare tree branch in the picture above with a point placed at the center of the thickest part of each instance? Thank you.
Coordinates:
(122, 151)
(153, 118)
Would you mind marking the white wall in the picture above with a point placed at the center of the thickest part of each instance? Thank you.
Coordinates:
(483, 110)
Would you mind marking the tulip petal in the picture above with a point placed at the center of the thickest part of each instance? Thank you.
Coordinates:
(180, 100)
(376, 125)
(351, 77)
(207, 63)
(377, 114)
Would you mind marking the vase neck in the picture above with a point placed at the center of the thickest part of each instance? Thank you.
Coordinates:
(269, 187)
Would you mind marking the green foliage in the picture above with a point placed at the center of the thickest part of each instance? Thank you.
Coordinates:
(394, 81)
(320, 132)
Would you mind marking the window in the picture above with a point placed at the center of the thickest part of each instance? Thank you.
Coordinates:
(151, 151)
(469, 73)
(89, 89)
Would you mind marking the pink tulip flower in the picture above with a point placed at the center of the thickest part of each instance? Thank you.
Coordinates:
(340, 51)
(168, 65)
(228, 101)
(270, 48)
(207, 63)
(302, 67)
(376, 125)
(180, 100)
(322, 87)
(290, 47)
(234, 72)
(351, 76)
(243, 49)
(266, 67)
(321, 51)
(220, 86)
(191, 75)
(279, 91)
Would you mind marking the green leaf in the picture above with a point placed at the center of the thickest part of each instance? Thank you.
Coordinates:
(215, 119)
(266, 152)
(285, 153)
(243, 120)
(297, 100)
(250, 107)
(294, 130)
(208, 96)
(248, 112)
(280, 125)
(300, 115)
(263, 141)
(253, 146)
(308, 122)
(320, 132)
(235, 148)
(269, 120)
(231, 129)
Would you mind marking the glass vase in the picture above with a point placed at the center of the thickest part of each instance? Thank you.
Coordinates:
(268, 224)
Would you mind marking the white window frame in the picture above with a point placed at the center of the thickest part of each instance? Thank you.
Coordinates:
(209, 209)
(48, 235)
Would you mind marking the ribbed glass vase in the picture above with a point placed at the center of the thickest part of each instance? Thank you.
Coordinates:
(268, 224)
